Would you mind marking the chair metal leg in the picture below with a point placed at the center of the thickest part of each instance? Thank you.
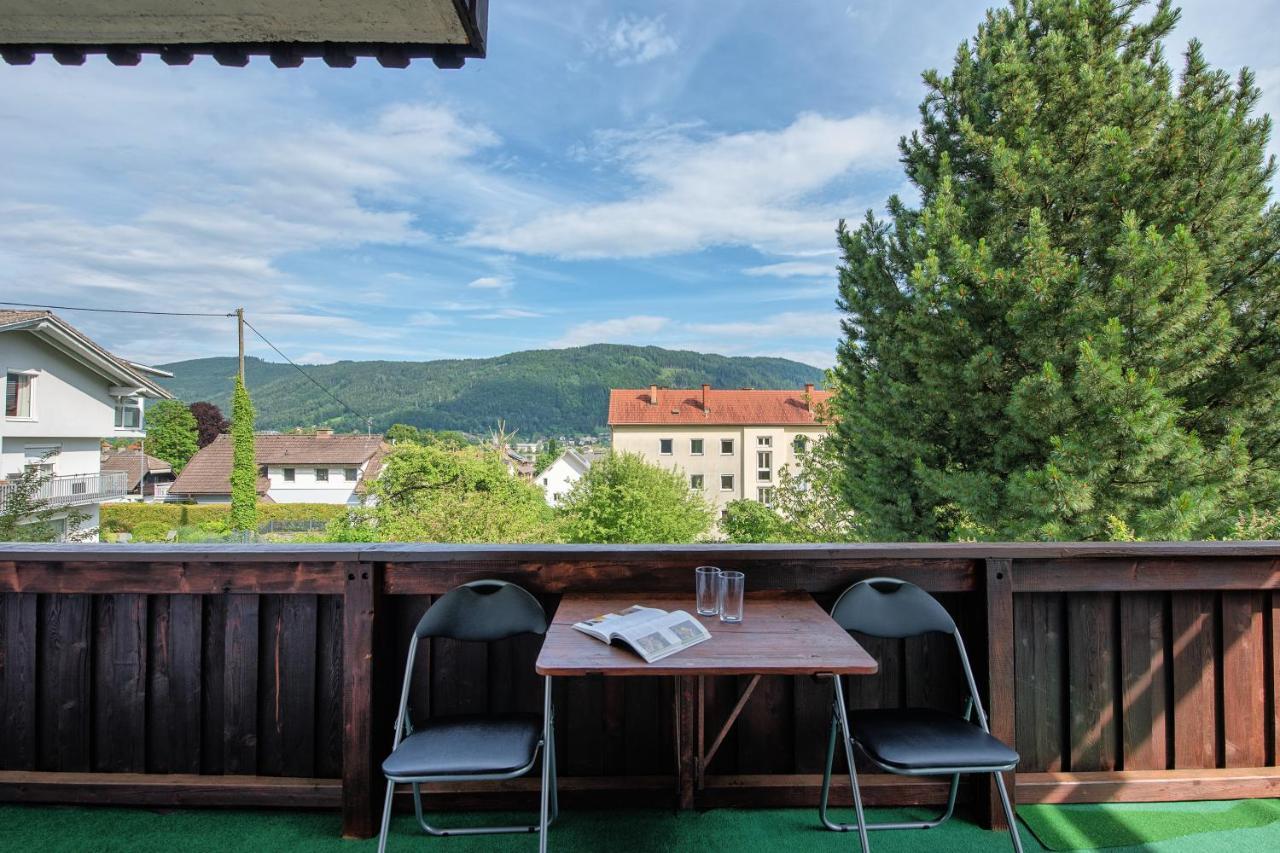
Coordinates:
(1008, 812)
(386, 818)
(842, 716)
(825, 796)
(462, 830)
(548, 761)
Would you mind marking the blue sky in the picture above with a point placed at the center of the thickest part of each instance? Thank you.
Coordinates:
(655, 173)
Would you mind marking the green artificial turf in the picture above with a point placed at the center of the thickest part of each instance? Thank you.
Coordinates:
(26, 829)
(1135, 824)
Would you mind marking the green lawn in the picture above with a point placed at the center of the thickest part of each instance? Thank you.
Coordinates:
(58, 828)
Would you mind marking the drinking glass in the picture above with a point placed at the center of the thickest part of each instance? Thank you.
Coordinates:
(732, 586)
(707, 589)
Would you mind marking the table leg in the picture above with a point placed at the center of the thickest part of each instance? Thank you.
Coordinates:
(686, 735)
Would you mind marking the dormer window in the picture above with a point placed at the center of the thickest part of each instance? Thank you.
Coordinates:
(18, 388)
(128, 413)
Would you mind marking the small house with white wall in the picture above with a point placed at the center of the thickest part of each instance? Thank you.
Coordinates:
(559, 476)
(318, 467)
(64, 394)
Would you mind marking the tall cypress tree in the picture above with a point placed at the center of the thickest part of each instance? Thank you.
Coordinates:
(1073, 336)
(244, 468)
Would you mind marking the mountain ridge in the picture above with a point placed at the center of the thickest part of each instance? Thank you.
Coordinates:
(535, 392)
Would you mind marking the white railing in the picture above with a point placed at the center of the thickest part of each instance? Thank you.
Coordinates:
(75, 489)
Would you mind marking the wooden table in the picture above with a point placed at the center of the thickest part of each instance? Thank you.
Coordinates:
(782, 633)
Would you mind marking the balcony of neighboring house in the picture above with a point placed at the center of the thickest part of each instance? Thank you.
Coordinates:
(71, 490)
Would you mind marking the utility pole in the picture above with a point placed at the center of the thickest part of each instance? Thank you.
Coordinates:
(240, 337)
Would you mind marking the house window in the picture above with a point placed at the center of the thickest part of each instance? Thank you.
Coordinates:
(128, 413)
(726, 447)
(764, 464)
(322, 475)
(351, 474)
(695, 482)
(664, 446)
(764, 441)
(800, 444)
(17, 395)
(726, 482)
(289, 475)
(765, 495)
(695, 446)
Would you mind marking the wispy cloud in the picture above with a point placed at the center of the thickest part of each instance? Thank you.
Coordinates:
(633, 40)
(502, 284)
(792, 269)
(619, 330)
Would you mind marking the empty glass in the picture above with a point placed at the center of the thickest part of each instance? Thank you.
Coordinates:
(732, 586)
(707, 589)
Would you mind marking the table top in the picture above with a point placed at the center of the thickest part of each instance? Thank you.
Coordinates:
(782, 633)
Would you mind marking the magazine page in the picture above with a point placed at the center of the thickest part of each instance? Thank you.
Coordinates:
(655, 639)
(606, 625)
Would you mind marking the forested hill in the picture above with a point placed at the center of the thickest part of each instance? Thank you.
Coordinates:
(538, 392)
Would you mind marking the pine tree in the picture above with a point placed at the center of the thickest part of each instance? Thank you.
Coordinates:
(244, 468)
(1073, 335)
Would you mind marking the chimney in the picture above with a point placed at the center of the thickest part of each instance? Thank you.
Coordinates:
(324, 432)
(808, 396)
(653, 395)
(706, 407)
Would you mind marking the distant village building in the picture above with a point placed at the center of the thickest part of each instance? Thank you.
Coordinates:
(729, 443)
(64, 394)
(316, 468)
(517, 464)
(147, 477)
(560, 475)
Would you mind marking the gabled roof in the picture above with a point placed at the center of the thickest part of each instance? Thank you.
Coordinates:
(209, 471)
(574, 460)
(128, 462)
(639, 406)
(61, 335)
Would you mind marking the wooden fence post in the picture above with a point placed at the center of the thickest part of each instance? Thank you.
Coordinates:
(361, 800)
(1000, 678)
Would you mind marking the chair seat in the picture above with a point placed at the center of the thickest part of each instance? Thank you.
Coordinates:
(914, 739)
(466, 746)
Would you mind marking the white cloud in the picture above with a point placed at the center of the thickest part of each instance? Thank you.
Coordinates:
(508, 314)
(639, 327)
(754, 188)
(499, 283)
(315, 358)
(427, 318)
(792, 269)
(633, 40)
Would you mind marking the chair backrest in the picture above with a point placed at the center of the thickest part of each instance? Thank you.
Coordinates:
(887, 607)
(483, 610)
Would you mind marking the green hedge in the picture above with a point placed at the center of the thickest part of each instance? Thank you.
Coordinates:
(124, 517)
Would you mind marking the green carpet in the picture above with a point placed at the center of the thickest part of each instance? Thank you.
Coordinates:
(1134, 824)
(61, 829)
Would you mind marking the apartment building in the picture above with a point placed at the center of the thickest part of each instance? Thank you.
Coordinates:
(64, 394)
(731, 444)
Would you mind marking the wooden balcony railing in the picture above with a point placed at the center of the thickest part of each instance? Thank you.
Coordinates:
(266, 675)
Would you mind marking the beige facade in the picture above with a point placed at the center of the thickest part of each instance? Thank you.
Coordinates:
(729, 459)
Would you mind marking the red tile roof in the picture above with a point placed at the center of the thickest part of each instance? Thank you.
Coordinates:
(723, 407)
(209, 471)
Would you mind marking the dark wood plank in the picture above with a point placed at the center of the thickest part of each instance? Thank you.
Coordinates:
(1244, 680)
(686, 738)
(120, 683)
(1195, 704)
(1144, 679)
(783, 633)
(174, 684)
(405, 613)
(213, 683)
(240, 690)
(64, 721)
(1091, 680)
(287, 686)
(1149, 786)
(1273, 703)
(136, 575)
(770, 710)
(646, 743)
(360, 802)
(583, 713)
(1040, 681)
(1218, 569)
(1001, 697)
(17, 681)
(811, 717)
(173, 790)
(329, 687)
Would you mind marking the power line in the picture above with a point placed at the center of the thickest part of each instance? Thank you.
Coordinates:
(119, 310)
(310, 378)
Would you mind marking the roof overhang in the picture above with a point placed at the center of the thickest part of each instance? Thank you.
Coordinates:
(66, 339)
(392, 31)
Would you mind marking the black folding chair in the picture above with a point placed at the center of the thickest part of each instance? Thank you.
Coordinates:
(910, 741)
(475, 747)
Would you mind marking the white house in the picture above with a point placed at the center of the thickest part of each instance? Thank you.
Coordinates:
(559, 476)
(64, 394)
(313, 468)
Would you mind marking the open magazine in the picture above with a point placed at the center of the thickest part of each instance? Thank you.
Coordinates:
(651, 633)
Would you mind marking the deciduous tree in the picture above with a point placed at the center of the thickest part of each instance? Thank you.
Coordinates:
(622, 498)
(172, 433)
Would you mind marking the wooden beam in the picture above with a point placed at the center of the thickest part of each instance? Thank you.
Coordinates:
(1000, 676)
(1149, 786)
(687, 691)
(801, 790)
(360, 800)
(153, 578)
(168, 789)
(1226, 570)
